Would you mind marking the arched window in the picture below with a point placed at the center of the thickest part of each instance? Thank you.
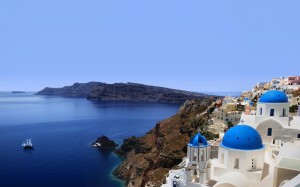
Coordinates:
(202, 155)
(195, 155)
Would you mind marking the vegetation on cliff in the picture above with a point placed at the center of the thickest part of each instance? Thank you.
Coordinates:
(148, 159)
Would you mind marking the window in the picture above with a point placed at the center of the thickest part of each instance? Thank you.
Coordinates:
(202, 155)
(272, 112)
(298, 135)
(254, 163)
(260, 111)
(236, 163)
(283, 112)
(269, 131)
(174, 184)
(195, 156)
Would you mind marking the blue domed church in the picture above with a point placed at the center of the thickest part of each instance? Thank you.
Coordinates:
(240, 161)
(198, 153)
(242, 151)
(262, 151)
(273, 121)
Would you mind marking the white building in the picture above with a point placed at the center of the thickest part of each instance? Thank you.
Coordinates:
(272, 119)
(264, 153)
(195, 164)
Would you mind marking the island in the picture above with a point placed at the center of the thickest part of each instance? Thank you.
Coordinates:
(17, 92)
(122, 92)
(104, 142)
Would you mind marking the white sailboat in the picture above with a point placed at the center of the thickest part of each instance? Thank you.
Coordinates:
(27, 144)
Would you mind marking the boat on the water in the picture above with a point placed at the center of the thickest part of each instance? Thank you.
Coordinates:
(27, 144)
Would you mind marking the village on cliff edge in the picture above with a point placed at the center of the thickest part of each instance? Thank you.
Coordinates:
(258, 144)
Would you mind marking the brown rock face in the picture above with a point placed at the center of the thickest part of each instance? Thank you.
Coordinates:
(148, 159)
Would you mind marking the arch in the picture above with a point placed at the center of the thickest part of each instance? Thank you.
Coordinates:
(268, 129)
(233, 179)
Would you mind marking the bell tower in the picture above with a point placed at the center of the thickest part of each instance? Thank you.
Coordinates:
(198, 153)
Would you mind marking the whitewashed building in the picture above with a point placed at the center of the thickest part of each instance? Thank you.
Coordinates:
(263, 153)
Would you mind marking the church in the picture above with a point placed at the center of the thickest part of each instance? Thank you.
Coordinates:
(263, 150)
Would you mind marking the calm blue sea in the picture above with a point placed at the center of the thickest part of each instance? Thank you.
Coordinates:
(62, 130)
(233, 94)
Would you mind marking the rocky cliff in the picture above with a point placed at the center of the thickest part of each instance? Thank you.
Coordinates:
(148, 159)
(76, 90)
(122, 92)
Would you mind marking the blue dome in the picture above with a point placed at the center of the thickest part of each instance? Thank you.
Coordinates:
(198, 141)
(242, 137)
(273, 96)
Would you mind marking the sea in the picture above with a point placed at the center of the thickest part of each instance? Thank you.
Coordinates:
(232, 94)
(62, 130)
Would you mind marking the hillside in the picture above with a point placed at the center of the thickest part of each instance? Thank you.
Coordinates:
(76, 90)
(149, 158)
(122, 92)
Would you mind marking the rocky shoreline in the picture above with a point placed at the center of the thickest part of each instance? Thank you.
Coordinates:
(148, 159)
(104, 142)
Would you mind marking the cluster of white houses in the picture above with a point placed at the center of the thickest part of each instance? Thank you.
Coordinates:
(229, 109)
(289, 85)
(263, 150)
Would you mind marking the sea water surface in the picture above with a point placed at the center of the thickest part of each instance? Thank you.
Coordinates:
(62, 130)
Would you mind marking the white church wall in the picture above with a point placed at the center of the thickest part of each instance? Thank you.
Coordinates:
(257, 158)
(295, 122)
(280, 109)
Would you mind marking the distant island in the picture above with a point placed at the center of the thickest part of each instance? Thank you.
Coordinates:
(18, 92)
(122, 92)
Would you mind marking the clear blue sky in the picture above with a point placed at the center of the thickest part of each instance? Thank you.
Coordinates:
(194, 45)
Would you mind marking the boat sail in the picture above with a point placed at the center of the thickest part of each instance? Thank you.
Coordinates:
(27, 144)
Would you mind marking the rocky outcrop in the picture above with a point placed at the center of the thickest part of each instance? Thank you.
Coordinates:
(104, 142)
(122, 92)
(148, 159)
(17, 92)
(76, 90)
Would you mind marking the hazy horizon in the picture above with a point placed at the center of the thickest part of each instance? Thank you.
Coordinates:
(194, 45)
(203, 91)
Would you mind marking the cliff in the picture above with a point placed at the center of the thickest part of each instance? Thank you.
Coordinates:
(122, 92)
(148, 159)
(76, 90)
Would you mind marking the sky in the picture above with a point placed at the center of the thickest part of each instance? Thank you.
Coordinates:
(195, 45)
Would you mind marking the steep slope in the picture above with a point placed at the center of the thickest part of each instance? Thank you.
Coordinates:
(148, 159)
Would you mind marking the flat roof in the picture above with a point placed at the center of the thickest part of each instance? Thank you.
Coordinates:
(289, 163)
